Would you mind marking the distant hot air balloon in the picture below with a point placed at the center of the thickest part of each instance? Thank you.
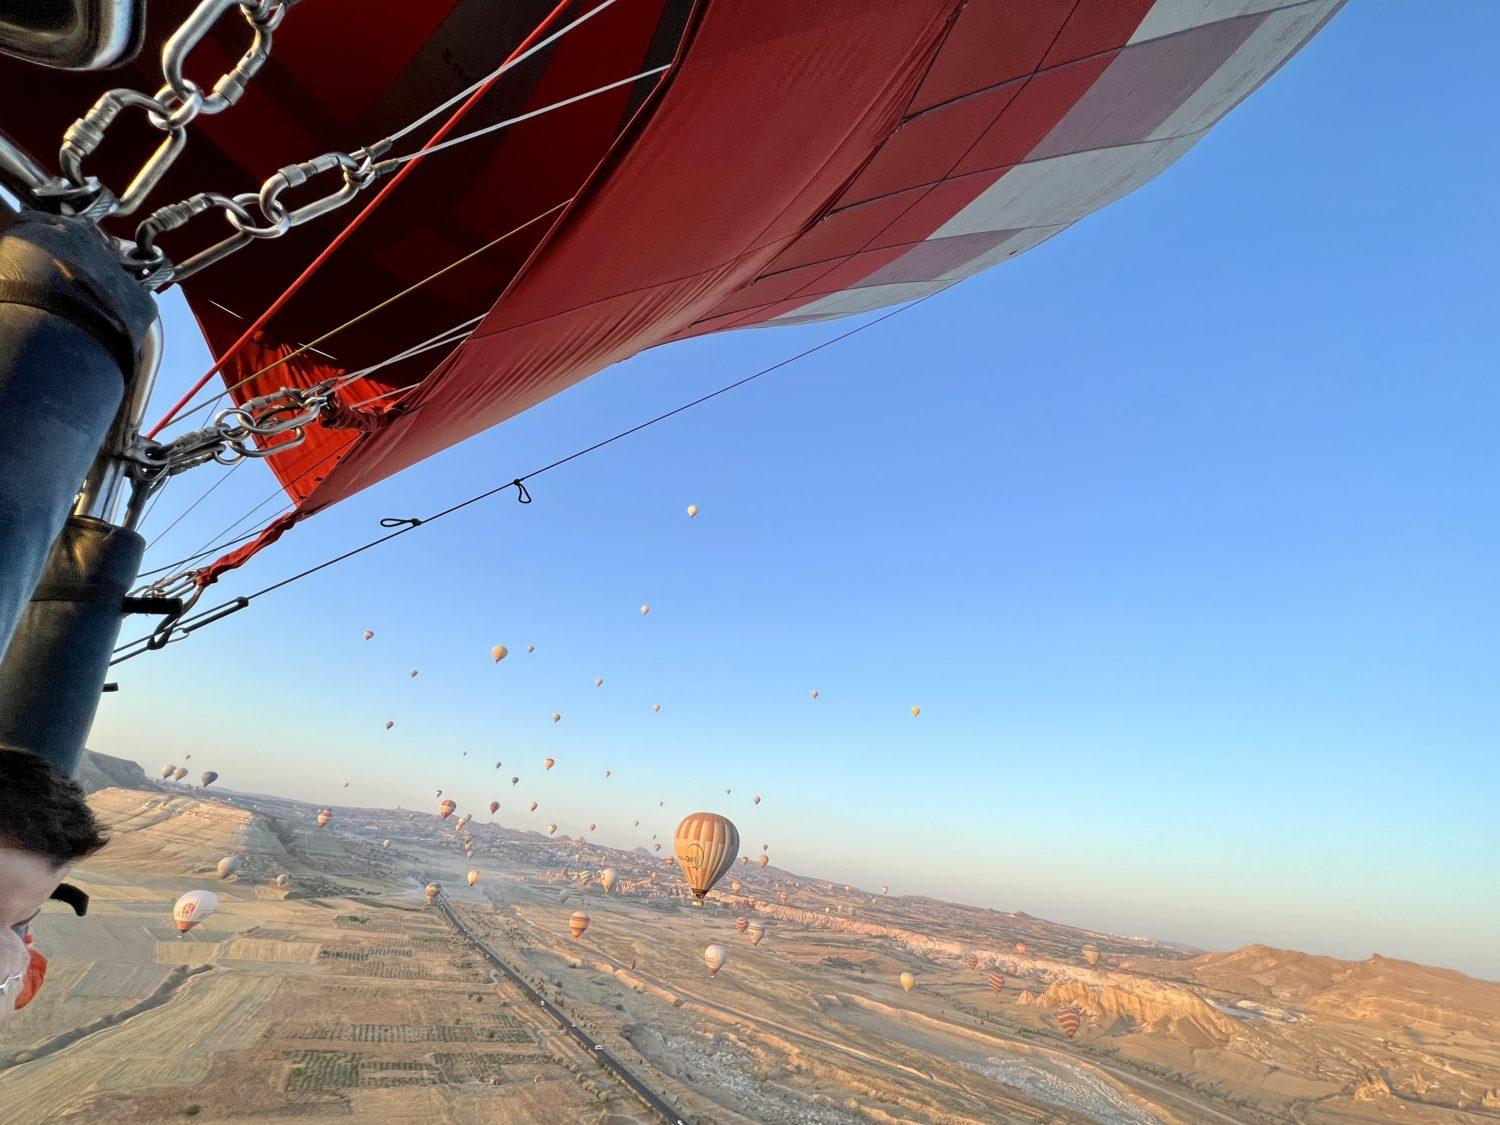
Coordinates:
(661, 804)
(389, 724)
(607, 879)
(556, 717)
(283, 879)
(192, 908)
(437, 793)
(727, 792)
(1021, 948)
(499, 764)
(432, 890)
(762, 859)
(463, 820)
(995, 980)
(551, 828)
(645, 609)
(1070, 1021)
(548, 763)
(755, 800)
(228, 866)
(885, 890)
(757, 930)
(187, 757)
(705, 844)
(908, 982)
(915, 711)
(598, 681)
(515, 781)
(494, 807)
(385, 843)
(500, 652)
(578, 922)
(1091, 955)
(324, 816)
(742, 924)
(532, 806)
(531, 648)
(735, 886)
(815, 694)
(445, 809)
(744, 859)
(369, 633)
(208, 778)
(166, 772)
(692, 511)
(179, 773)
(781, 897)
(592, 826)
(473, 877)
(606, 773)
(563, 895)
(714, 957)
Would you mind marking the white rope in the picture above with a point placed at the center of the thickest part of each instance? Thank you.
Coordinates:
(498, 71)
(509, 121)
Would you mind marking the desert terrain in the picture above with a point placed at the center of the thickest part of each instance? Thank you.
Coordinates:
(344, 996)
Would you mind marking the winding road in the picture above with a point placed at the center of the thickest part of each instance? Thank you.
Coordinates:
(605, 1059)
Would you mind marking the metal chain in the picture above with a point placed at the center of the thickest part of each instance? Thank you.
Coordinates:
(170, 110)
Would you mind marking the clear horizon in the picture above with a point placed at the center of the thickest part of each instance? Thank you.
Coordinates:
(1178, 529)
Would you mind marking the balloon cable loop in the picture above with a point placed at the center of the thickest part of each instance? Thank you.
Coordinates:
(522, 496)
(396, 521)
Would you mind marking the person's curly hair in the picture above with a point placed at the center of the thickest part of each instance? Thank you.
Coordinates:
(43, 812)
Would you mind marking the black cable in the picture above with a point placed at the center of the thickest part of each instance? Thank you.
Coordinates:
(404, 526)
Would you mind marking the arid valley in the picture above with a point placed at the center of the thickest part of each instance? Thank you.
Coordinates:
(344, 996)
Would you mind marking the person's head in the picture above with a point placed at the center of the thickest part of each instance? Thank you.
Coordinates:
(45, 827)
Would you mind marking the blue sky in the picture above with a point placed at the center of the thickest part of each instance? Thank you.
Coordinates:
(1180, 530)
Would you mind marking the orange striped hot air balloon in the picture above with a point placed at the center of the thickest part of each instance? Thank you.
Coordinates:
(1070, 1021)
(706, 844)
(995, 979)
(971, 960)
(742, 924)
(578, 923)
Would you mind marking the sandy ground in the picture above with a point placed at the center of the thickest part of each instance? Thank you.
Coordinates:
(343, 997)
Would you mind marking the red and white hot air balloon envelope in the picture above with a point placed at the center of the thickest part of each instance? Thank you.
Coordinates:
(445, 809)
(1070, 1021)
(432, 890)
(494, 807)
(908, 981)
(742, 924)
(324, 816)
(714, 957)
(705, 844)
(996, 980)
(756, 930)
(192, 908)
(578, 922)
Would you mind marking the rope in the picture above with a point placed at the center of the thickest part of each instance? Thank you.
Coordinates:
(343, 236)
(404, 526)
